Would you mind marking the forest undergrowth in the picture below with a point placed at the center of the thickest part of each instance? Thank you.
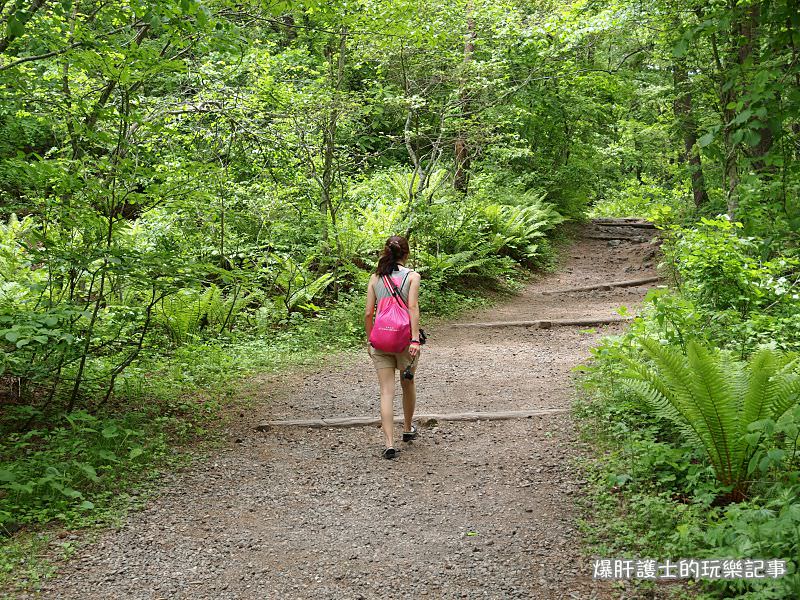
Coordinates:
(192, 191)
(694, 416)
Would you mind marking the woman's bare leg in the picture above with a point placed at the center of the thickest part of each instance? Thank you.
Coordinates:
(386, 381)
(409, 401)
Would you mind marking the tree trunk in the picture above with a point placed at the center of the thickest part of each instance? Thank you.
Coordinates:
(329, 133)
(745, 29)
(687, 126)
(460, 180)
(750, 27)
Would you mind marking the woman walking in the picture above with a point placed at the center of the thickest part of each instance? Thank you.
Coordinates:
(393, 278)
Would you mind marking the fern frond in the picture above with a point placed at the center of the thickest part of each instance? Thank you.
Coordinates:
(712, 393)
(713, 398)
(760, 382)
(661, 405)
(785, 393)
(682, 413)
(674, 369)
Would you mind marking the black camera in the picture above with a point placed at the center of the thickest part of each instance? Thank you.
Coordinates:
(407, 372)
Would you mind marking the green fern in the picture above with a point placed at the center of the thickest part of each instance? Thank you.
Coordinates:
(180, 314)
(444, 266)
(298, 285)
(516, 229)
(404, 186)
(184, 313)
(221, 311)
(713, 399)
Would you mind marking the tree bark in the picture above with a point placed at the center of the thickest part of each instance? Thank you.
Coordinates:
(687, 126)
(727, 96)
(744, 28)
(329, 133)
(750, 31)
(461, 177)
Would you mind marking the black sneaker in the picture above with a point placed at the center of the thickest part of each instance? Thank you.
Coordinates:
(389, 453)
(410, 435)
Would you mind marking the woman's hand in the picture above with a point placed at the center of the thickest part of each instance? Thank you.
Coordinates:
(413, 348)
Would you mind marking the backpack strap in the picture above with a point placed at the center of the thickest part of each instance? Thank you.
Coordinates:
(392, 288)
(402, 283)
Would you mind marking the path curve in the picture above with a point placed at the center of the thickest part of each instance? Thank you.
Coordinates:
(482, 509)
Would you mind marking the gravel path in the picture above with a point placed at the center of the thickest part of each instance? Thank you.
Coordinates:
(469, 510)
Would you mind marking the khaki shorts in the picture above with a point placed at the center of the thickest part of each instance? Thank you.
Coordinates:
(389, 360)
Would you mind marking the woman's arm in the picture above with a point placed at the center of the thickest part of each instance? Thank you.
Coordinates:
(413, 310)
(369, 311)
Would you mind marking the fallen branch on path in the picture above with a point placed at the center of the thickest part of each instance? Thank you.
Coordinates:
(547, 324)
(424, 419)
(639, 239)
(606, 286)
(635, 224)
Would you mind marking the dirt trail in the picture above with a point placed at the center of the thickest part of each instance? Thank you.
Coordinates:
(469, 510)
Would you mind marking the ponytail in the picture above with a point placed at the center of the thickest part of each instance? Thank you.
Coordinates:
(395, 250)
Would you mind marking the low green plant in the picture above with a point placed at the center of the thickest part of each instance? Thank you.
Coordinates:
(766, 527)
(67, 472)
(715, 264)
(186, 312)
(717, 401)
(708, 465)
(519, 231)
(738, 296)
(16, 564)
(647, 199)
(652, 493)
(297, 284)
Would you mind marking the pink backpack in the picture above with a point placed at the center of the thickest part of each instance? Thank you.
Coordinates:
(391, 331)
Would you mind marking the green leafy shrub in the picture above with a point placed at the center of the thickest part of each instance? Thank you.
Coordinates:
(664, 488)
(35, 345)
(65, 472)
(181, 314)
(671, 318)
(715, 265)
(654, 493)
(14, 262)
(765, 528)
(737, 297)
(184, 313)
(298, 286)
(646, 199)
(717, 401)
(519, 231)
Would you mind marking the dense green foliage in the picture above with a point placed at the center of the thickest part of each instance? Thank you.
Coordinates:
(697, 412)
(193, 190)
(719, 404)
(697, 436)
(178, 172)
